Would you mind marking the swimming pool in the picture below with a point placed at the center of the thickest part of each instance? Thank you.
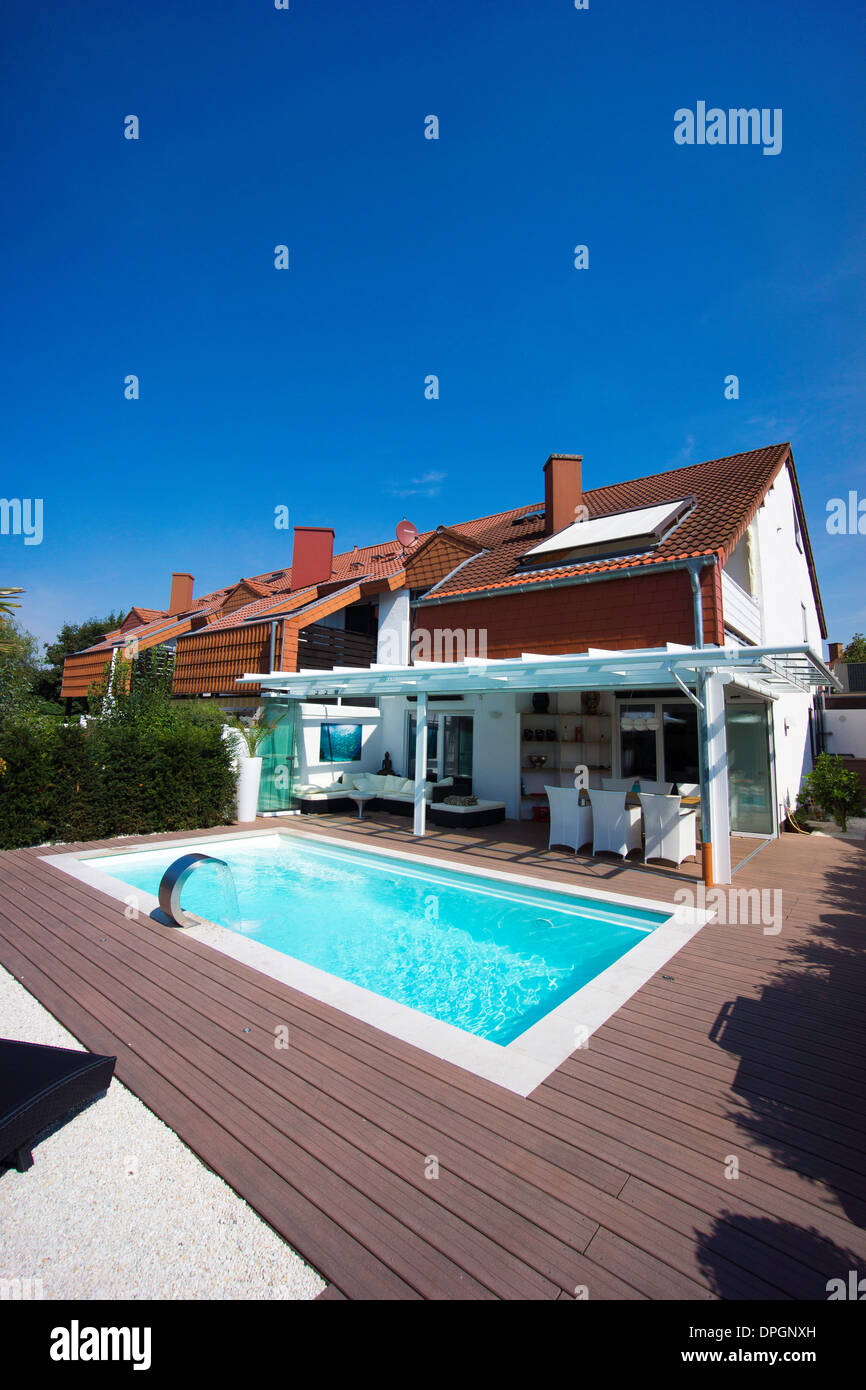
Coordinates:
(468, 964)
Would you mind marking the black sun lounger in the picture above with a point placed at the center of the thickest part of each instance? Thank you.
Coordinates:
(38, 1086)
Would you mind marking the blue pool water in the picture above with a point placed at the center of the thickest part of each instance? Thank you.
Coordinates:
(474, 952)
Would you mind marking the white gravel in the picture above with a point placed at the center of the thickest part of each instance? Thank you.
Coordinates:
(116, 1206)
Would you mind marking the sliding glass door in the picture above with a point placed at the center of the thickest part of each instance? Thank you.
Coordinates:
(750, 782)
(449, 745)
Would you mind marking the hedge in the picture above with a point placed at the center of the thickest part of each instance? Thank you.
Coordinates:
(65, 783)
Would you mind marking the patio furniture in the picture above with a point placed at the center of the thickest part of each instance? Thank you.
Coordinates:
(615, 826)
(570, 823)
(659, 788)
(689, 789)
(360, 799)
(39, 1086)
(669, 831)
(466, 817)
(617, 784)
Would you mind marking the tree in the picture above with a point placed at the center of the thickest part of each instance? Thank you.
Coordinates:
(72, 637)
(856, 648)
(19, 657)
(6, 605)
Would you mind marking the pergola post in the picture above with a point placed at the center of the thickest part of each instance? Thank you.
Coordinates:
(713, 753)
(420, 764)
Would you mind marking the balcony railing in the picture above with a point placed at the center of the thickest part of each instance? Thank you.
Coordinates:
(323, 648)
(742, 612)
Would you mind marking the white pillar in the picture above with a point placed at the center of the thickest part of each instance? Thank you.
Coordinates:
(420, 764)
(392, 647)
(715, 797)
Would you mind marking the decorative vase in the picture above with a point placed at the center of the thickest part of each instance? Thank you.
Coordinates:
(541, 703)
(249, 778)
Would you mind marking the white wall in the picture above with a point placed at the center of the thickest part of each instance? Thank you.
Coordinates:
(785, 588)
(784, 572)
(312, 716)
(496, 742)
(394, 625)
(848, 729)
(790, 719)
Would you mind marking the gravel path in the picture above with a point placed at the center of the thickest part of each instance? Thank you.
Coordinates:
(116, 1206)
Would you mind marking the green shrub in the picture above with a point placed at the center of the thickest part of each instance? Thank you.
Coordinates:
(115, 777)
(833, 788)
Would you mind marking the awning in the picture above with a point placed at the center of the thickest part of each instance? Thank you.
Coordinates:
(769, 671)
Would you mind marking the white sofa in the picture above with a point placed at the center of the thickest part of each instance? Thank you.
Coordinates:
(391, 792)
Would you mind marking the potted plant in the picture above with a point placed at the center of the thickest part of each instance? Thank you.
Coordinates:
(250, 767)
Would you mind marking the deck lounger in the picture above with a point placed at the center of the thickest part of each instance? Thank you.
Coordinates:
(38, 1086)
(615, 826)
(570, 823)
(669, 832)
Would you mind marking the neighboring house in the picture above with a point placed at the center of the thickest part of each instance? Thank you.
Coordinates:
(715, 554)
(842, 715)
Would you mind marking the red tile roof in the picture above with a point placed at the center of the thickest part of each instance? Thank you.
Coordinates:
(728, 492)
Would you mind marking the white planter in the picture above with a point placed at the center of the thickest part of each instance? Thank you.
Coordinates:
(249, 777)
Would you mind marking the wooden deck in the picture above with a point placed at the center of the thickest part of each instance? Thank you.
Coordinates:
(610, 1177)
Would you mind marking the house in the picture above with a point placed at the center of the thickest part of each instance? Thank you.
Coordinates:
(713, 556)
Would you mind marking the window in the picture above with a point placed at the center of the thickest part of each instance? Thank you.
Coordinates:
(638, 725)
(798, 537)
(805, 622)
(449, 745)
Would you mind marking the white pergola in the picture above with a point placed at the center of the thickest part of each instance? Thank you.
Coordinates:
(701, 673)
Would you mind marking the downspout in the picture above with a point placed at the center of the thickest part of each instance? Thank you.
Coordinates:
(694, 568)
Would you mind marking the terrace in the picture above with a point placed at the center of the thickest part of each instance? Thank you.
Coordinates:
(611, 1179)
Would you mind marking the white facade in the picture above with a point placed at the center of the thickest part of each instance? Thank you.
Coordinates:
(768, 599)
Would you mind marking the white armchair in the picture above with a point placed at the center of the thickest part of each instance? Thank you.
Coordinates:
(570, 823)
(669, 832)
(615, 826)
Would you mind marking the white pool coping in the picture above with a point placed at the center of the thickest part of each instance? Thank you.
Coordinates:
(519, 1066)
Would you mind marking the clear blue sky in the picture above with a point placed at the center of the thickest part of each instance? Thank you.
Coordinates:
(305, 388)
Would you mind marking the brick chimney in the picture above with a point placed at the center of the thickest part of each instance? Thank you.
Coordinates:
(835, 649)
(181, 593)
(312, 556)
(562, 491)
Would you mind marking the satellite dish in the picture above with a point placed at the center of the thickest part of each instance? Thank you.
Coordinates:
(406, 533)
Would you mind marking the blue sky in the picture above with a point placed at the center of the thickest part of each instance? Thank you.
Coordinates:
(408, 257)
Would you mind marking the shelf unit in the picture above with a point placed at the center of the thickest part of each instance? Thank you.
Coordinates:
(563, 752)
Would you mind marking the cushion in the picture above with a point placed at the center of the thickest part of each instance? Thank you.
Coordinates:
(408, 786)
(365, 782)
(394, 784)
(445, 782)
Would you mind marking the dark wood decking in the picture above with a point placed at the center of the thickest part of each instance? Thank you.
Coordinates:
(611, 1175)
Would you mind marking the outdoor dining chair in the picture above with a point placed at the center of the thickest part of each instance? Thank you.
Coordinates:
(570, 823)
(618, 784)
(660, 788)
(615, 826)
(669, 832)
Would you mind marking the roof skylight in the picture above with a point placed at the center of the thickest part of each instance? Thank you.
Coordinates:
(615, 534)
